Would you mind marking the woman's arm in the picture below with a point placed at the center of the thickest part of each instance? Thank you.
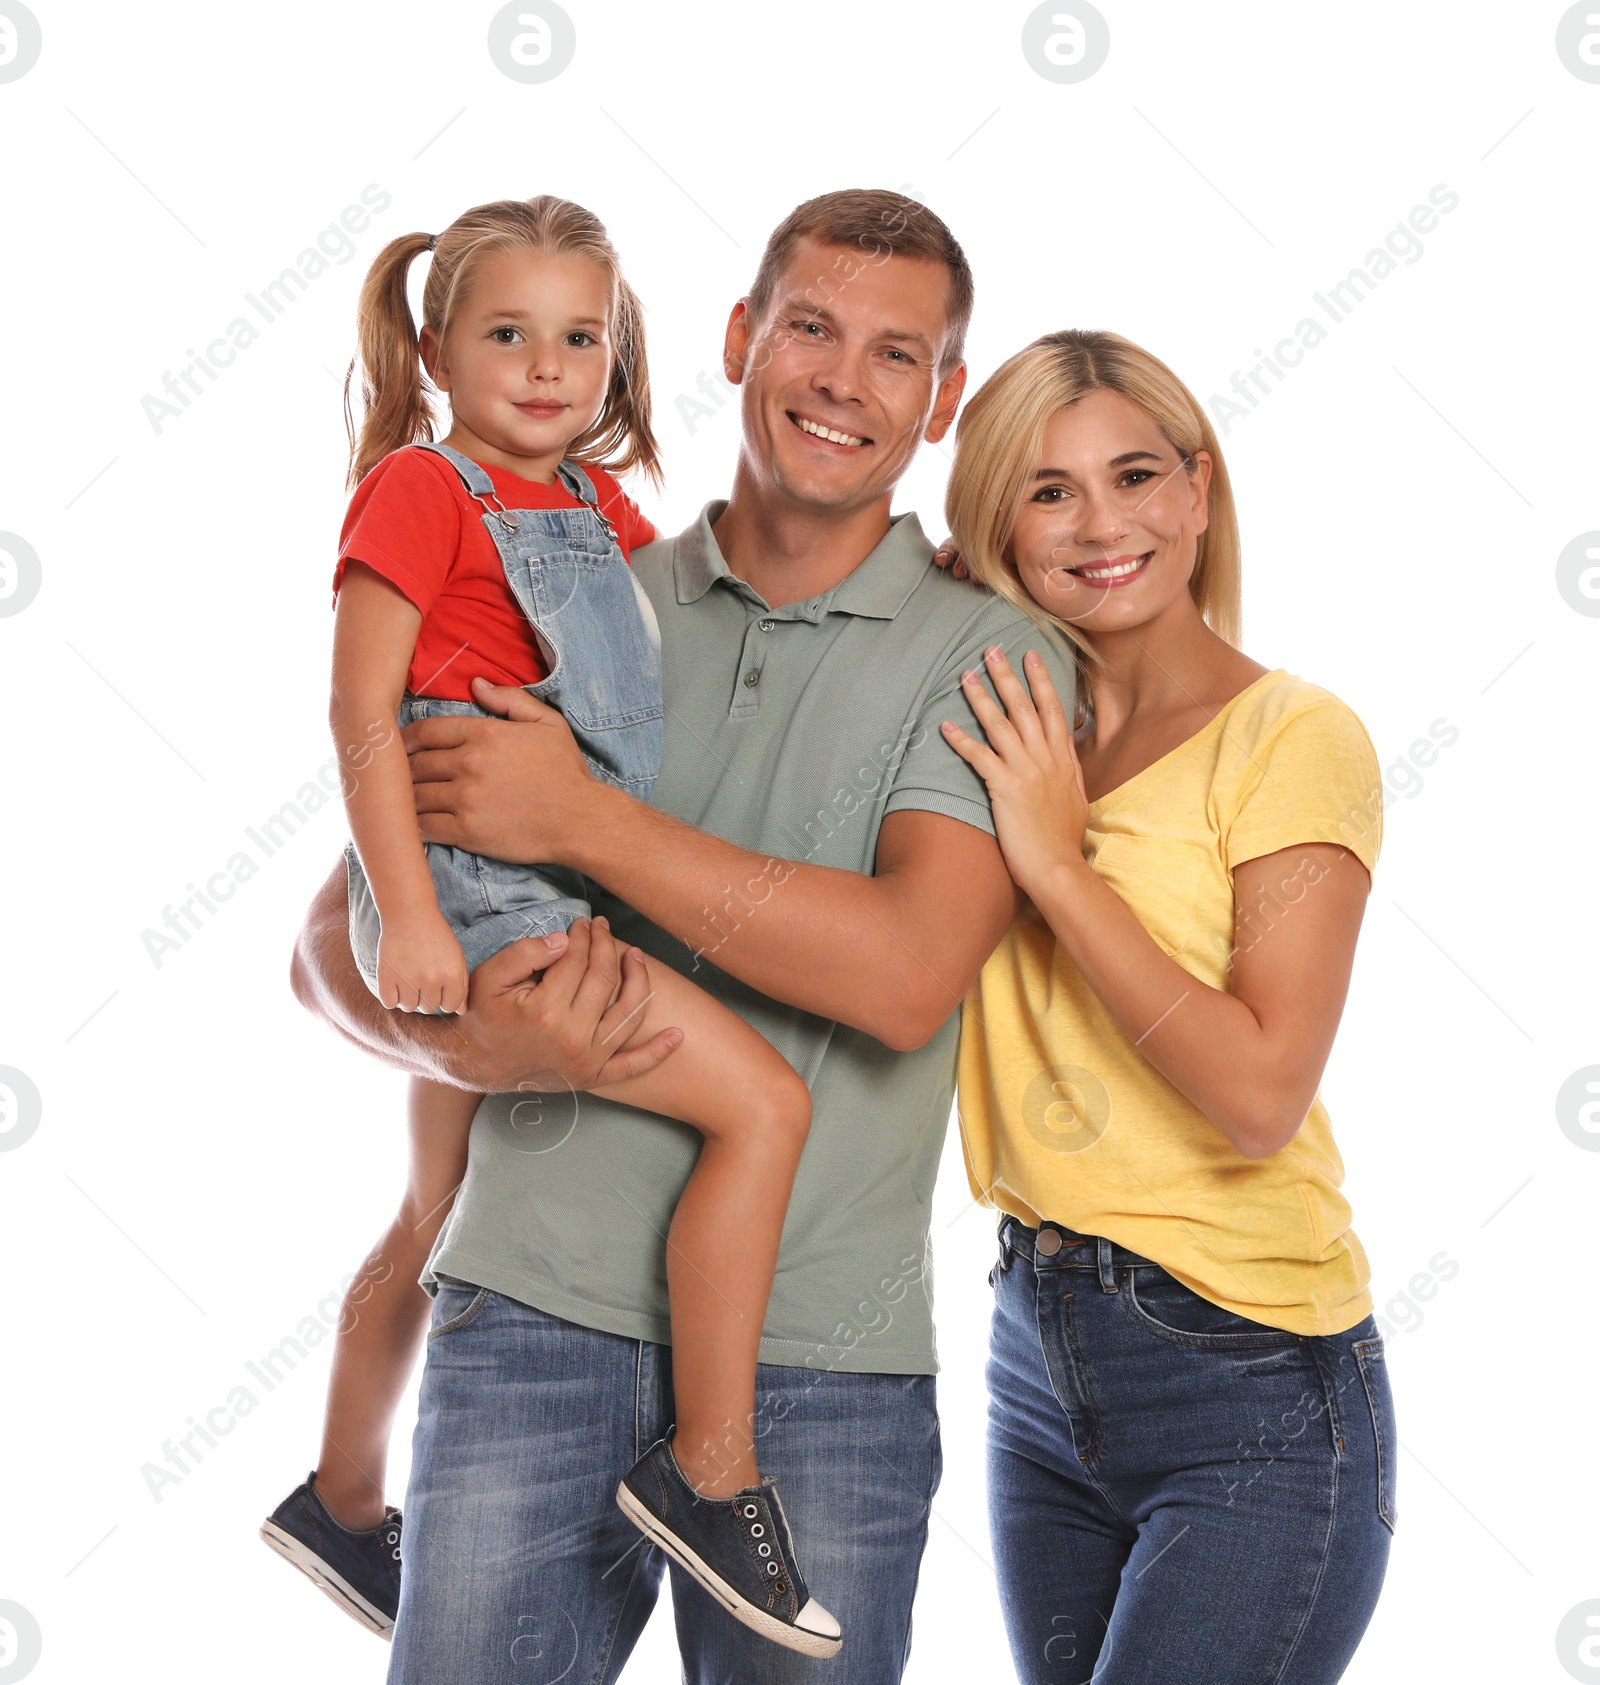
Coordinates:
(420, 963)
(1250, 1059)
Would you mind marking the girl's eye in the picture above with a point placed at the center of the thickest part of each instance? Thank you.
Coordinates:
(505, 336)
(579, 337)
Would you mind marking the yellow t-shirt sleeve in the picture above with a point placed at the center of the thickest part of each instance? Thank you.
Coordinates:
(1312, 777)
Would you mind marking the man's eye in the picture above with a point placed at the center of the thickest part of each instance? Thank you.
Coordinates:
(901, 355)
(810, 327)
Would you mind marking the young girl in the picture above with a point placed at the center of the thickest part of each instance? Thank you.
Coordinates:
(500, 554)
(1192, 1445)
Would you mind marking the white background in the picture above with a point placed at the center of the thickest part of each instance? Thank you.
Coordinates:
(210, 1161)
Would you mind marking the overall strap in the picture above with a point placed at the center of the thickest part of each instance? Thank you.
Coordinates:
(577, 481)
(477, 482)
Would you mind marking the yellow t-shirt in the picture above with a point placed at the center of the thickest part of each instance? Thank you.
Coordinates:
(1062, 1117)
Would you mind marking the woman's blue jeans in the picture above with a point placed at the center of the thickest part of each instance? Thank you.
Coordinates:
(1178, 1496)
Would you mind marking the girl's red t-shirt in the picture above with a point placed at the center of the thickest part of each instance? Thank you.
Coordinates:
(412, 521)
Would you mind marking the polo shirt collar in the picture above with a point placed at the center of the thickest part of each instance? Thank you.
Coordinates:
(878, 588)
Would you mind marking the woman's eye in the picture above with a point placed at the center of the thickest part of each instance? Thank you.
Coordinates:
(1138, 476)
(1050, 494)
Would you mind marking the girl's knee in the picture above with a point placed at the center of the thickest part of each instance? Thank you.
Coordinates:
(786, 1113)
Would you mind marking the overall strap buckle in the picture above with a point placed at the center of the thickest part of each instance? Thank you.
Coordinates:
(477, 483)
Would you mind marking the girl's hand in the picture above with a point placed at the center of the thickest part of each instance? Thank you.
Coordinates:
(421, 967)
(1030, 766)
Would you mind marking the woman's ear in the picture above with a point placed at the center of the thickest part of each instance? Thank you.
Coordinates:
(1200, 490)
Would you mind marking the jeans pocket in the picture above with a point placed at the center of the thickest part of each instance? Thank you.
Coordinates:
(455, 1305)
(1163, 1306)
(1374, 1372)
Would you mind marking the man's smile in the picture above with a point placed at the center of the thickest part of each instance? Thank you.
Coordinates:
(831, 435)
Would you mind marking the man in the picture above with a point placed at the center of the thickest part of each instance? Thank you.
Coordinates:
(826, 865)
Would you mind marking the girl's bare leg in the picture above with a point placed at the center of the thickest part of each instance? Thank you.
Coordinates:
(386, 1313)
(753, 1113)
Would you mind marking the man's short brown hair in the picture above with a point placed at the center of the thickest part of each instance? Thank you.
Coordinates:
(883, 225)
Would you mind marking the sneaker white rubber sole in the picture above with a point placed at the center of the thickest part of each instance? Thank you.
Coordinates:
(327, 1581)
(758, 1620)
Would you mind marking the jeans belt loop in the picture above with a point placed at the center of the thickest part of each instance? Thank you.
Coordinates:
(1108, 1273)
(1003, 1262)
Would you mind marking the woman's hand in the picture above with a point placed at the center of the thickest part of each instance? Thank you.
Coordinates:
(948, 556)
(421, 967)
(1030, 766)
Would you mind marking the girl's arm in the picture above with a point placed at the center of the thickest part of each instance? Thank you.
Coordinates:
(420, 963)
(1250, 1059)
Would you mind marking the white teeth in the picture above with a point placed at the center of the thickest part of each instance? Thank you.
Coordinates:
(1112, 572)
(828, 433)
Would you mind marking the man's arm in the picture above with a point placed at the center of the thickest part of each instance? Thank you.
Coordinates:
(540, 1014)
(891, 954)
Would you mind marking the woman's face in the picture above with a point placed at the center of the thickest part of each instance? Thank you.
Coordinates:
(1110, 519)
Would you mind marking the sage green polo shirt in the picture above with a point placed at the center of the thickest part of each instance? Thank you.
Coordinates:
(791, 732)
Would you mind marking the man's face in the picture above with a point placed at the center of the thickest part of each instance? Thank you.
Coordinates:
(841, 375)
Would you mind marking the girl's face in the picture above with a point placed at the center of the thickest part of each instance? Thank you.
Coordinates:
(528, 357)
(1111, 519)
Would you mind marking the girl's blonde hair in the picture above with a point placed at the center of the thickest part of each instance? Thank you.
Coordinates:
(997, 450)
(398, 400)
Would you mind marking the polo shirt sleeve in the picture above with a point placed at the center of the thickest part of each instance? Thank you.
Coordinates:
(929, 775)
(404, 522)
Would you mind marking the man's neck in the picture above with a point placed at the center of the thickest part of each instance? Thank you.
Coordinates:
(788, 552)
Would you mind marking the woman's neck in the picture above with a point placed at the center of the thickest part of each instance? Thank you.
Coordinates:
(1169, 664)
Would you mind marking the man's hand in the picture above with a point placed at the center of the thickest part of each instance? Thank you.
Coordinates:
(516, 789)
(576, 1025)
(551, 1013)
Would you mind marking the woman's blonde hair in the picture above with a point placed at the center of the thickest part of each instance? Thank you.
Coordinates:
(997, 450)
(398, 400)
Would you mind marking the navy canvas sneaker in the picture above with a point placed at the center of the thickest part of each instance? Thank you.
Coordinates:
(739, 1548)
(360, 1571)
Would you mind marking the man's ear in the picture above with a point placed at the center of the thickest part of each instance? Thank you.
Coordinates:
(428, 348)
(946, 404)
(736, 341)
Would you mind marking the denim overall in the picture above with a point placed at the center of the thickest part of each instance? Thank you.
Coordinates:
(597, 632)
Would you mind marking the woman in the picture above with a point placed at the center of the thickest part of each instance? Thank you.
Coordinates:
(1191, 1437)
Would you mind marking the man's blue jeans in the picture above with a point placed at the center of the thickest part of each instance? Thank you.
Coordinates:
(1178, 1496)
(519, 1568)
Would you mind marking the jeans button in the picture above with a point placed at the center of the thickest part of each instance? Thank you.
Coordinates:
(1048, 1243)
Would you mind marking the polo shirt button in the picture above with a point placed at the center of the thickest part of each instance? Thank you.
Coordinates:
(752, 678)
(767, 625)
(1048, 1243)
